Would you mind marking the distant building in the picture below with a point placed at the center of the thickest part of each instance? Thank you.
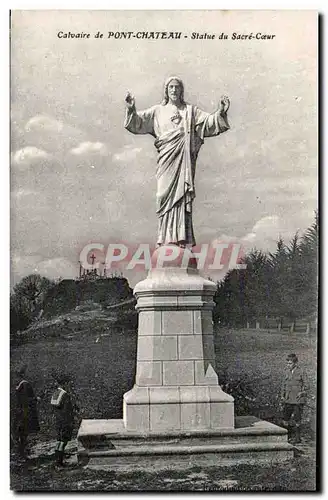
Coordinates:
(96, 272)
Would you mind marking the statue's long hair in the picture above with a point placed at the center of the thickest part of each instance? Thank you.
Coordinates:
(166, 87)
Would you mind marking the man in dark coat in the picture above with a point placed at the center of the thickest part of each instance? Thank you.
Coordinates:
(25, 411)
(64, 415)
(293, 395)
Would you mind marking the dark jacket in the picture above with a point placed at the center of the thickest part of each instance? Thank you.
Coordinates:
(294, 386)
(26, 412)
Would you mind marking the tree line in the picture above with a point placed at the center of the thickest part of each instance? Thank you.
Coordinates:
(281, 285)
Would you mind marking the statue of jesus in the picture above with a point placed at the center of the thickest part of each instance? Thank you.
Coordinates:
(179, 130)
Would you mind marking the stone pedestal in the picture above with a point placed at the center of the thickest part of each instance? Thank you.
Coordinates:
(176, 414)
(176, 385)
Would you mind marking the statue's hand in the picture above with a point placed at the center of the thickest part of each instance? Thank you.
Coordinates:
(130, 101)
(224, 104)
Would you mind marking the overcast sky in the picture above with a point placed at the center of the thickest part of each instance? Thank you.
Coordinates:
(78, 176)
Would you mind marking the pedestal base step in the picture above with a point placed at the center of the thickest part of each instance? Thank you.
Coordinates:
(106, 444)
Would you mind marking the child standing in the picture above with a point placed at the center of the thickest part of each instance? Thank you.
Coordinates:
(64, 415)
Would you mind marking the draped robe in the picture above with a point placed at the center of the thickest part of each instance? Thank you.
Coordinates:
(178, 145)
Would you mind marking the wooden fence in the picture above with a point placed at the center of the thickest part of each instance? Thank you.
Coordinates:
(283, 325)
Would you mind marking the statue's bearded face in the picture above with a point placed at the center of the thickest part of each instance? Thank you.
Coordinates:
(174, 91)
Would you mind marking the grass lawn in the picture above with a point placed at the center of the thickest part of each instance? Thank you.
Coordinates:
(103, 368)
(258, 359)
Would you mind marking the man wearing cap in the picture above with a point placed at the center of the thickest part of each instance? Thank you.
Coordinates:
(293, 395)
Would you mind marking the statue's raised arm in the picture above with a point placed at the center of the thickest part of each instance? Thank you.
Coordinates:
(224, 105)
(141, 122)
(130, 102)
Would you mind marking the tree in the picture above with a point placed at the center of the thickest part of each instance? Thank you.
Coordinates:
(309, 252)
(27, 300)
(20, 316)
(256, 289)
(282, 284)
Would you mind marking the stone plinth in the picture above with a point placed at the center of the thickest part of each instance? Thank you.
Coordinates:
(106, 444)
(176, 385)
(176, 414)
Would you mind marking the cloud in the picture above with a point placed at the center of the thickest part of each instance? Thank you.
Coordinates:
(57, 268)
(263, 235)
(128, 153)
(51, 134)
(44, 122)
(23, 265)
(29, 205)
(265, 229)
(21, 193)
(89, 147)
(30, 153)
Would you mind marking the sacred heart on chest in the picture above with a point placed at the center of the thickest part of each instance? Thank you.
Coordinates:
(176, 118)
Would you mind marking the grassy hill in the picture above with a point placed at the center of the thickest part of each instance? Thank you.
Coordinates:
(73, 307)
(67, 295)
(88, 318)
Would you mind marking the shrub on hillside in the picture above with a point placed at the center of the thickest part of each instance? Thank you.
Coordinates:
(88, 305)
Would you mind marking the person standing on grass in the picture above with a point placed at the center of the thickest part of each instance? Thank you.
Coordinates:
(25, 416)
(63, 408)
(293, 395)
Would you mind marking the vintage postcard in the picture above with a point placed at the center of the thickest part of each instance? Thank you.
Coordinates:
(164, 250)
